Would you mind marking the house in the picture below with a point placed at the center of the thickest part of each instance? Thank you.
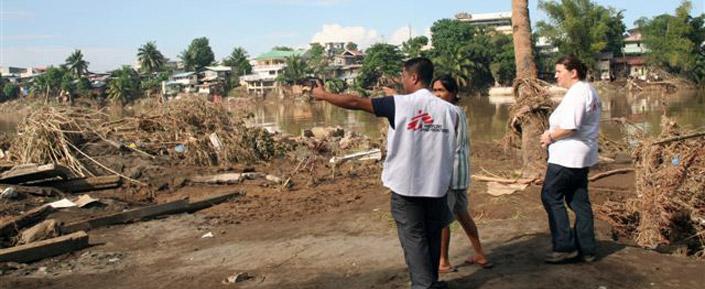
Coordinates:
(632, 62)
(347, 65)
(214, 79)
(265, 69)
(499, 21)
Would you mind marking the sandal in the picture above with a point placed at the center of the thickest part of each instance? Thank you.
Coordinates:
(447, 269)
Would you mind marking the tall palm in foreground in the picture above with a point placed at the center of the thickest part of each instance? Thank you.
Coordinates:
(150, 58)
(76, 64)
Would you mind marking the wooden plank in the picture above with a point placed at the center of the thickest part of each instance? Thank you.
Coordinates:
(35, 190)
(32, 172)
(84, 184)
(211, 201)
(31, 217)
(128, 216)
(44, 249)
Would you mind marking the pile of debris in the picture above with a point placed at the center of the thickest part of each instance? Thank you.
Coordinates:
(190, 131)
(669, 208)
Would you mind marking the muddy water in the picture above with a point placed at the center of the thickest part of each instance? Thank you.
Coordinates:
(487, 115)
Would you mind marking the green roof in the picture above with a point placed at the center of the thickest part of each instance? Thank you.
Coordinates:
(279, 54)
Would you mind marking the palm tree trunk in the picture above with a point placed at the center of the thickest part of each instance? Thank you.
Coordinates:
(532, 121)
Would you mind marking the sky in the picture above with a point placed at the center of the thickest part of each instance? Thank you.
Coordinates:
(109, 32)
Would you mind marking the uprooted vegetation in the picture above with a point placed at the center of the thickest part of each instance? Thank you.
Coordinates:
(190, 131)
(669, 206)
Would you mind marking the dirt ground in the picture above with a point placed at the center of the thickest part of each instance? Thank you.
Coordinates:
(336, 231)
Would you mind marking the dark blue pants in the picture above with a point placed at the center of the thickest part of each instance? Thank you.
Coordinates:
(563, 185)
(419, 222)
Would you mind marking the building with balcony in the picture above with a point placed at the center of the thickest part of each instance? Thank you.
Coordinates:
(265, 69)
(499, 21)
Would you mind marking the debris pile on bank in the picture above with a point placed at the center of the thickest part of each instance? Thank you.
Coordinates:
(669, 208)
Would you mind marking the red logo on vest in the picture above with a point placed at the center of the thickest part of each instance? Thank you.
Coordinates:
(419, 120)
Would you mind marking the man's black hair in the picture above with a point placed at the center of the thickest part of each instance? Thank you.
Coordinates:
(422, 67)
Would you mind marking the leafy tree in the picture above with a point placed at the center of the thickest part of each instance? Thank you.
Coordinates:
(49, 83)
(381, 60)
(76, 64)
(283, 48)
(582, 28)
(10, 91)
(335, 85)
(67, 86)
(152, 84)
(351, 46)
(317, 60)
(124, 85)
(83, 86)
(412, 47)
(675, 42)
(448, 35)
(198, 54)
(503, 67)
(238, 61)
(150, 58)
(295, 70)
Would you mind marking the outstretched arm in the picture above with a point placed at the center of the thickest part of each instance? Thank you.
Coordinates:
(347, 101)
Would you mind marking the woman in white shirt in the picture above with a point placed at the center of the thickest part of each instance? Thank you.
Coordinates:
(572, 149)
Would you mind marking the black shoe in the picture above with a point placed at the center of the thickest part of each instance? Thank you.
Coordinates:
(560, 257)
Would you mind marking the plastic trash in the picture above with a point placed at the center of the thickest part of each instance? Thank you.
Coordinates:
(180, 148)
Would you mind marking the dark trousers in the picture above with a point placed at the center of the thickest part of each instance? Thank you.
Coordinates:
(419, 222)
(567, 185)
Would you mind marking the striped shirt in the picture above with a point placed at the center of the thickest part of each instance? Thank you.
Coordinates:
(461, 166)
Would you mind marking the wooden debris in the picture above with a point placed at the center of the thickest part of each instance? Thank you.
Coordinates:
(44, 230)
(44, 249)
(85, 184)
(11, 228)
(128, 216)
(375, 154)
(502, 180)
(211, 201)
(228, 178)
(32, 172)
(35, 190)
(609, 173)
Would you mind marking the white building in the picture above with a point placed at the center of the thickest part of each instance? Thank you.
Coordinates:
(265, 70)
(500, 21)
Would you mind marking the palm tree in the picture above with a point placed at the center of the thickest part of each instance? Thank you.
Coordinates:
(76, 65)
(150, 58)
(238, 61)
(124, 85)
(296, 69)
(532, 107)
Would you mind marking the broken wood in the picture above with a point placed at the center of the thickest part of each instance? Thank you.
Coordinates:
(45, 249)
(679, 138)
(32, 172)
(127, 216)
(35, 190)
(10, 228)
(44, 230)
(211, 201)
(228, 178)
(609, 173)
(502, 180)
(85, 184)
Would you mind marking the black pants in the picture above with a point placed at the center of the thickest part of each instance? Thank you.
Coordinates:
(567, 185)
(419, 222)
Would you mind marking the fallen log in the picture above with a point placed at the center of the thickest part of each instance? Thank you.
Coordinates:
(85, 184)
(127, 216)
(211, 201)
(679, 138)
(609, 173)
(10, 228)
(227, 178)
(45, 249)
(502, 180)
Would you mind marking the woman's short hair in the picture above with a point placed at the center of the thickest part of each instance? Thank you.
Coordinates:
(571, 62)
(448, 82)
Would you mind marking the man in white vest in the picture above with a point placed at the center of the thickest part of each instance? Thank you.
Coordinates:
(419, 164)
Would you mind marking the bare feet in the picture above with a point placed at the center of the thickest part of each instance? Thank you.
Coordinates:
(446, 268)
(480, 261)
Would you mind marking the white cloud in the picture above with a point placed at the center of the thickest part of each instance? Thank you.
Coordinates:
(364, 37)
(99, 58)
(401, 35)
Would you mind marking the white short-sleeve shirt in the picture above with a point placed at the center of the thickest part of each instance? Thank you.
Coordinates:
(579, 110)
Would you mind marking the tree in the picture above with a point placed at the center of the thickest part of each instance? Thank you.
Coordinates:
(198, 54)
(503, 66)
(295, 70)
(317, 61)
(381, 60)
(124, 85)
(582, 28)
(49, 83)
(150, 58)
(532, 106)
(674, 42)
(76, 65)
(239, 62)
(10, 91)
(412, 47)
(336, 85)
(351, 46)
(283, 48)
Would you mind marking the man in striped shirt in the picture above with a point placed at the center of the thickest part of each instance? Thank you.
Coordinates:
(446, 88)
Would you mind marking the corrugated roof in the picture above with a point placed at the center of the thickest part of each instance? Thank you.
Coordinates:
(279, 54)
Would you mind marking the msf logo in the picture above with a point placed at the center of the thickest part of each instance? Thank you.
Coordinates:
(419, 120)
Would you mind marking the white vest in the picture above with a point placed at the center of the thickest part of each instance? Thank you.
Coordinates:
(420, 149)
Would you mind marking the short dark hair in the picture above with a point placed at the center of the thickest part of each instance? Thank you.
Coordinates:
(422, 66)
(571, 62)
(448, 82)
